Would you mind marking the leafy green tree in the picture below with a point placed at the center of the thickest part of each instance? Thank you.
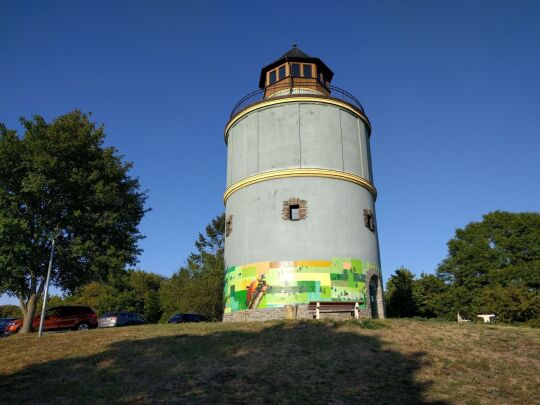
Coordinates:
(174, 295)
(145, 287)
(10, 311)
(152, 307)
(89, 294)
(513, 303)
(502, 249)
(453, 299)
(59, 179)
(116, 296)
(427, 291)
(133, 290)
(492, 262)
(198, 286)
(399, 294)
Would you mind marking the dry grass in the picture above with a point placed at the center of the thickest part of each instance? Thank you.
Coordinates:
(392, 361)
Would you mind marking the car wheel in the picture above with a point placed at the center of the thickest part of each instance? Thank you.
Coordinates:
(83, 326)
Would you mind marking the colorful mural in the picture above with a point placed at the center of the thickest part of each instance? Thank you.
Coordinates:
(275, 284)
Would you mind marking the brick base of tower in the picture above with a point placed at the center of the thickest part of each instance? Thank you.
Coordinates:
(271, 314)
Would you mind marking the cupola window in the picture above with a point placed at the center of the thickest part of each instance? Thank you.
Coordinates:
(282, 72)
(277, 74)
(295, 69)
(302, 70)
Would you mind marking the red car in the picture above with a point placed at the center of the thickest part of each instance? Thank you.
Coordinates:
(64, 317)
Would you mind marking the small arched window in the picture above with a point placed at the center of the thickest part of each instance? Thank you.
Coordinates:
(369, 219)
(294, 209)
(282, 72)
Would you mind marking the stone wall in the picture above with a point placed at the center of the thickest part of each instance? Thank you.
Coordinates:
(269, 314)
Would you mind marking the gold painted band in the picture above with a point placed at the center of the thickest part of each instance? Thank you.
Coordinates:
(297, 99)
(280, 174)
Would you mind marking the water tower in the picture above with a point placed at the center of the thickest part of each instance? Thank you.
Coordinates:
(300, 198)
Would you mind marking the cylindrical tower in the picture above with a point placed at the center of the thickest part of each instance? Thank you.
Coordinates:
(300, 213)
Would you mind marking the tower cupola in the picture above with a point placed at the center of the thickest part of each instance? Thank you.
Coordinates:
(295, 73)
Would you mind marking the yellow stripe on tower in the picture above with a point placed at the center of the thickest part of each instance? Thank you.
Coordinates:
(305, 172)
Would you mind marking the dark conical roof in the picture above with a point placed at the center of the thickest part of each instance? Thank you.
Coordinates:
(294, 52)
(296, 55)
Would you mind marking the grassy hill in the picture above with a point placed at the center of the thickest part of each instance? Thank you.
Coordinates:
(391, 361)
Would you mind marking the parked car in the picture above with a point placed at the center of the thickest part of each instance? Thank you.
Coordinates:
(111, 319)
(62, 317)
(181, 318)
(4, 322)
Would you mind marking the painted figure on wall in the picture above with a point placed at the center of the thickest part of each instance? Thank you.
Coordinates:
(256, 291)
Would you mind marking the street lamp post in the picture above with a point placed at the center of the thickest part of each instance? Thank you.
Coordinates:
(46, 294)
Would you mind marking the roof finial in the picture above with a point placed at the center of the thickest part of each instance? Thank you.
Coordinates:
(294, 45)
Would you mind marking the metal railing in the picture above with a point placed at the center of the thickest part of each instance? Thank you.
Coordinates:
(296, 89)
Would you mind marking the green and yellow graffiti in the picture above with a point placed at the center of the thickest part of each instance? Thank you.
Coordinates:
(275, 284)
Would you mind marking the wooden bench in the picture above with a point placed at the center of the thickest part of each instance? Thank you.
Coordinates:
(318, 307)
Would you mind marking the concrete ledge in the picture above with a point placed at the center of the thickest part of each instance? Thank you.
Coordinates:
(300, 172)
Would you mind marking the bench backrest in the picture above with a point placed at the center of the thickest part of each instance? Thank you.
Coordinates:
(336, 305)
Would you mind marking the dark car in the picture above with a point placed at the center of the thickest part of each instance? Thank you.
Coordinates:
(181, 318)
(62, 317)
(121, 318)
(4, 323)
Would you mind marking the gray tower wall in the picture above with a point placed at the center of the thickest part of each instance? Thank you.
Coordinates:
(325, 256)
(298, 135)
(334, 226)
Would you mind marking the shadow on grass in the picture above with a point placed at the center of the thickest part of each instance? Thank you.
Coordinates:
(286, 362)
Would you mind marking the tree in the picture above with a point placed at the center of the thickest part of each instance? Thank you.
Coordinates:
(59, 179)
(513, 303)
(198, 286)
(90, 294)
(399, 294)
(10, 311)
(427, 291)
(493, 261)
(174, 295)
(502, 249)
(145, 287)
(133, 291)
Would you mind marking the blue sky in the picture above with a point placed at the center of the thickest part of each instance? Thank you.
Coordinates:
(452, 90)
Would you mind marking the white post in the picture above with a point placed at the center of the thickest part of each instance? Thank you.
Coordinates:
(356, 316)
(46, 293)
(317, 313)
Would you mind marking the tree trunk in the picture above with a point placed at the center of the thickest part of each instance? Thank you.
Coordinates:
(29, 313)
